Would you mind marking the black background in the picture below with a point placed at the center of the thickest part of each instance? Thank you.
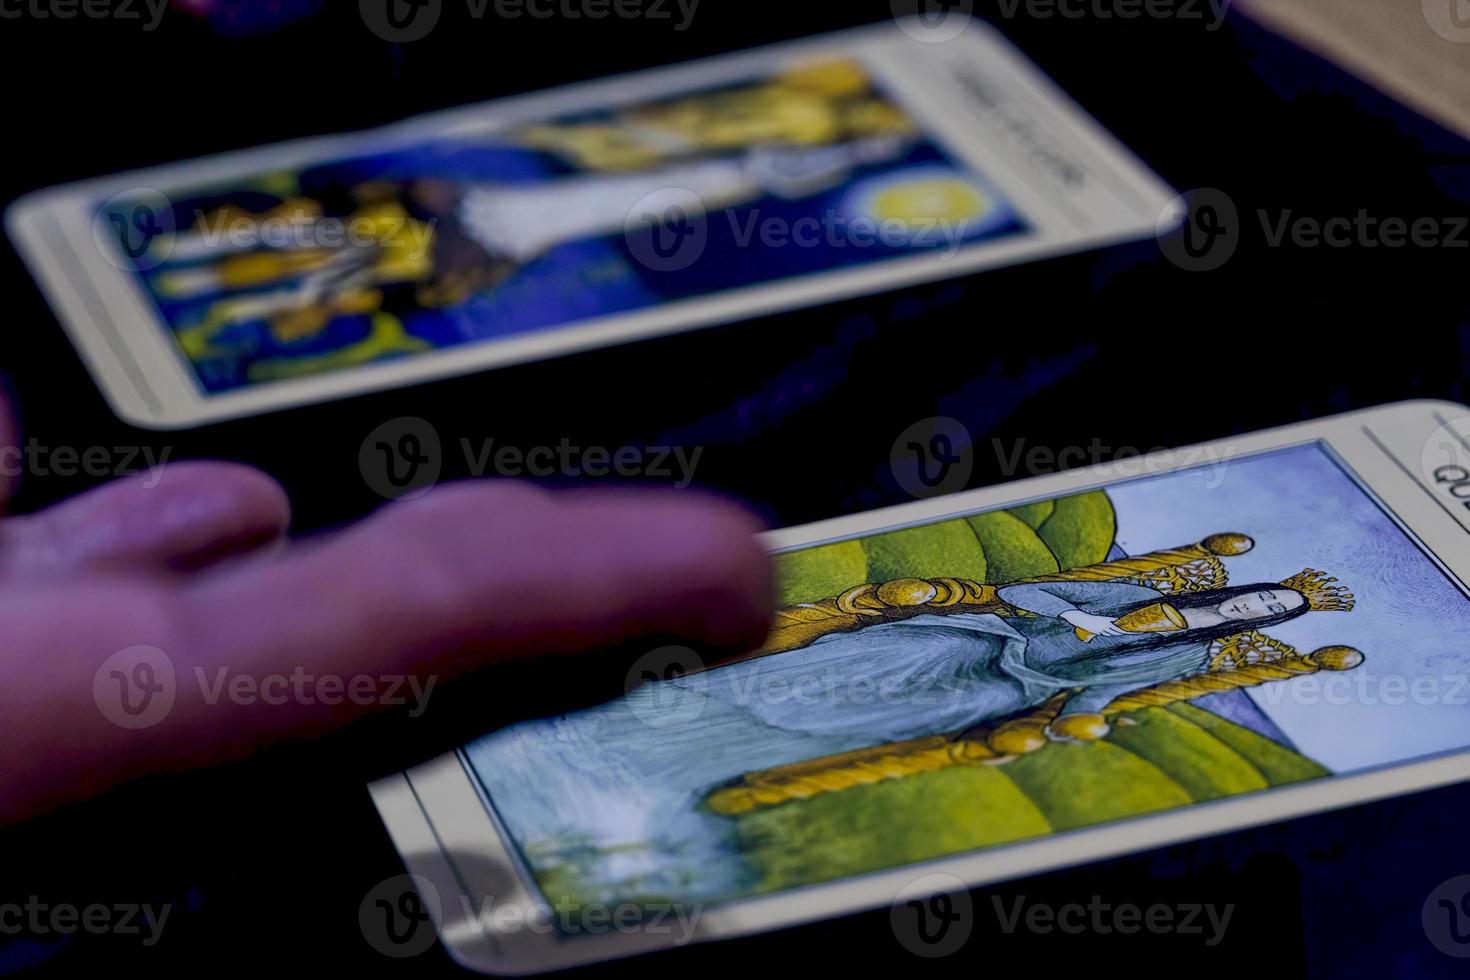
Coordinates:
(266, 862)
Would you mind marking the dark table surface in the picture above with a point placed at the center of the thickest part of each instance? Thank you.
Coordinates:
(264, 863)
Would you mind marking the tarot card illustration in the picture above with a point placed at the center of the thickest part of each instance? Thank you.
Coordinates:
(400, 249)
(1006, 675)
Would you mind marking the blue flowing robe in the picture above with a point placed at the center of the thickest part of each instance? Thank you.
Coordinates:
(613, 794)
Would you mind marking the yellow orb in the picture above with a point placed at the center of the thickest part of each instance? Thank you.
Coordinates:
(1228, 545)
(1017, 738)
(1336, 658)
(731, 800)
(1083, 727)
(924, 203)
(906, 592)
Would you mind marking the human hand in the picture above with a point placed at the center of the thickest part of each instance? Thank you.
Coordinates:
(1097, 625)
(190, 565)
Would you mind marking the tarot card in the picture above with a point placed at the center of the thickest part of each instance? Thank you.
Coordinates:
(976, 687)
(587, 216)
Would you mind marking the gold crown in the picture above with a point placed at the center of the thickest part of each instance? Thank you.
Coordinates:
(1321, 594)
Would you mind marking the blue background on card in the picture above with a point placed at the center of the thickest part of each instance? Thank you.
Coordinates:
(589, 277)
